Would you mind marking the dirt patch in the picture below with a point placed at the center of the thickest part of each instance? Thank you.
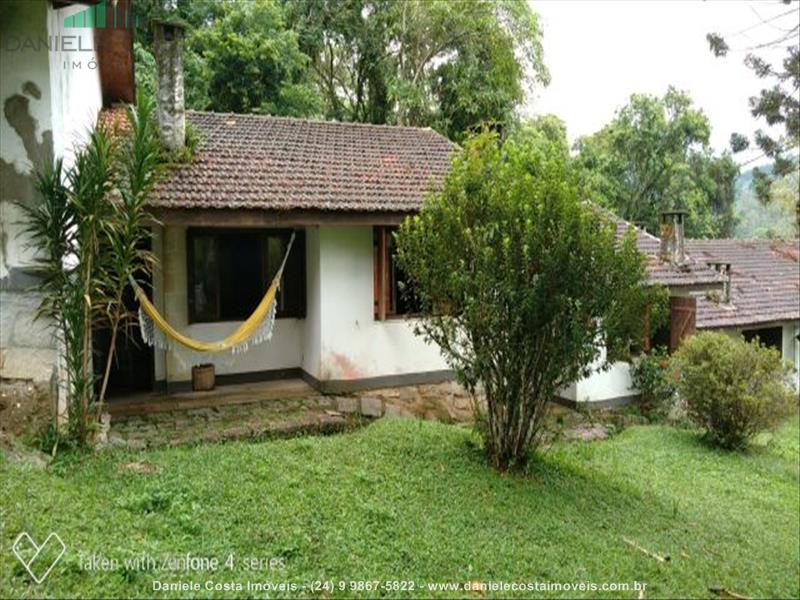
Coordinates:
(25, 407)
(15, 452)
(141, 467)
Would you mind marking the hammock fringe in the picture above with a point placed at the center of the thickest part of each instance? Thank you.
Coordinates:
(155, 337)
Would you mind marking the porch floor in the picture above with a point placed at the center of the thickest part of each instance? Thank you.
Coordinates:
(246, 411)
(244, 393)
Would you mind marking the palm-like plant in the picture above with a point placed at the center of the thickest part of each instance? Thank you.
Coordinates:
(126, 232)
(88, 231)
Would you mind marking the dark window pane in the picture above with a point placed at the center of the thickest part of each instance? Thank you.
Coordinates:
(240, 276)
(772, 337)
(232, 269)
(400, 297)
(203, 295)
(292, 296)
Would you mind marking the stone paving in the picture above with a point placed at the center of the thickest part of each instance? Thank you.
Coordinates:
(257, 420)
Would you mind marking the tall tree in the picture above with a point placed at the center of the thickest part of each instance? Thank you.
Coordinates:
(778, 103)
(254, 62)
(520, 283)
(654, 156)
(238, 57)
(541, 130)
(449, 65)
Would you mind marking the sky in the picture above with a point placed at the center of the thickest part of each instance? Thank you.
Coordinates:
(599, 52)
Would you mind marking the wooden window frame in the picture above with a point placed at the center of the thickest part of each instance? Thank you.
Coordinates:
(384, 295)
(298, 312)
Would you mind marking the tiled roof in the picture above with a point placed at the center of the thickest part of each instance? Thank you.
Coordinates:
(261, 162)
(765, 282)
(113, 121)
(691, 273)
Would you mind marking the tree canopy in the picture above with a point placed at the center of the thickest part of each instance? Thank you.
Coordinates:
(776, 219)
(238, 57)
(655, 156)
(448, 65)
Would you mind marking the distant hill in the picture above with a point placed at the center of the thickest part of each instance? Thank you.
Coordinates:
(777, 220)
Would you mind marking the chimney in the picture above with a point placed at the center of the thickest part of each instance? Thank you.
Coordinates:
(168, 47)
(672, 247)
(725, 269)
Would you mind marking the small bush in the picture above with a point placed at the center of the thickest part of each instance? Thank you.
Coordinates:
(650, 375)
(732, 389)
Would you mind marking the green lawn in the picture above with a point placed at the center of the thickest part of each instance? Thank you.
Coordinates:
(414, 501)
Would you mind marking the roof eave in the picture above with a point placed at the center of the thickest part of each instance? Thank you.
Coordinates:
(259, 217)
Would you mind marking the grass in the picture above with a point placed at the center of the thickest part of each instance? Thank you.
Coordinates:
(415, 501)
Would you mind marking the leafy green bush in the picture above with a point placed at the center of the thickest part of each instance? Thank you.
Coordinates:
(650, 375)
(519, 282)
(732, 389)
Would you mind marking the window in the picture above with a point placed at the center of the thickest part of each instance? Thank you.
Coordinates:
(229, 270)
(772, 337)
(393, 294)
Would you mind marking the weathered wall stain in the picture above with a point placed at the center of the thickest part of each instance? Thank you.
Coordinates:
(18, 186)
(338, 366)
(16, 110)
(32, 90)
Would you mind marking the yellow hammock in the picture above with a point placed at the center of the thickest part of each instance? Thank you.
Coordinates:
(257, 328)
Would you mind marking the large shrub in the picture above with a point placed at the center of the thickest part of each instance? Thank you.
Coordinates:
(733, 389)
(519, 282)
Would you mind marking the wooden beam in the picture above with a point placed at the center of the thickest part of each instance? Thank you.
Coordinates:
(225, 217)
(681, 320)
(383, 271)
(114, 46)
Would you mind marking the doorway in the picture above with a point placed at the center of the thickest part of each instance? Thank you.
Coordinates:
(132, 368)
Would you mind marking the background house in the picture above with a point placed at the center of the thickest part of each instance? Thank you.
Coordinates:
(740, 287)
(762, 292)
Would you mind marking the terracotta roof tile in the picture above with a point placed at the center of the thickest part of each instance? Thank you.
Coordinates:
(765, 282)
(691, 273)
(113, 121)
(255, 161)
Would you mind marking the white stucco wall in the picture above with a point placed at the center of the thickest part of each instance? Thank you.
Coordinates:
(48, 103)
(312, 330)
(353, 345)
(76, 95)
(613, 384)
(791, 348)
(19, 68)
(283, 351)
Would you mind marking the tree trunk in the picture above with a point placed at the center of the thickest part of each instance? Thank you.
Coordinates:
(512, 424)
